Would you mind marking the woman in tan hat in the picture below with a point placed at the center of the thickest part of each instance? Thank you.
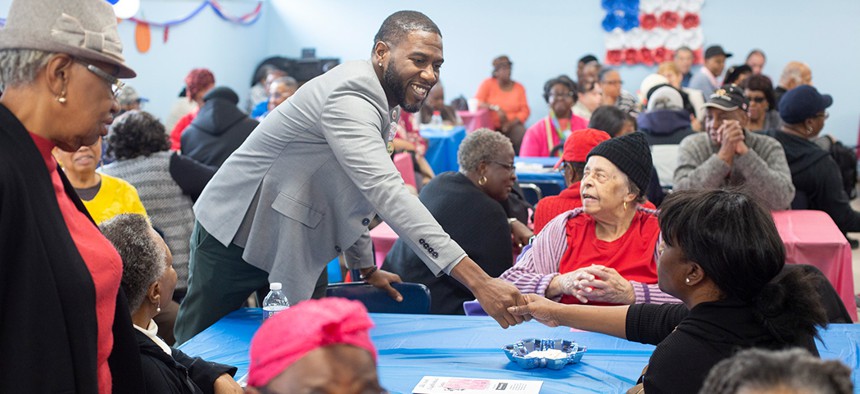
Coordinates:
(62, 313)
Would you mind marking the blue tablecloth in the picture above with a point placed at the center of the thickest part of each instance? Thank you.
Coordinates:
(549, 180)
(413, 346)
(442, 147)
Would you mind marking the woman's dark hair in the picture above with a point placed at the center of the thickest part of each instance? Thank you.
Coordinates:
(762, 84)
(733, 238)
(136, 133)
(768, 369)
(560, 80)
(735, 72)
(608, 118)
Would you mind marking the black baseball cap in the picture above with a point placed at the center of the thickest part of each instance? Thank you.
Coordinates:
(801, 103)
(728, 98)
(716, 50)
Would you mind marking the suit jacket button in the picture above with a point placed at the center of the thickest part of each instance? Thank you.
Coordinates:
(430, 250)
(365, 222)
(337, 248)
(435, 255)
(422, 241)
(426, 246)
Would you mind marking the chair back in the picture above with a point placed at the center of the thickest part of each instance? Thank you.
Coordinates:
(531, 192)
(416, 297)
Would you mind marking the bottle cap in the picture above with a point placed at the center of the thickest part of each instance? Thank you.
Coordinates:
(437, 113)
(275, 286)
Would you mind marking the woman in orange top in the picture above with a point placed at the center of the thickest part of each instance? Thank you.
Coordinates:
(507, 99)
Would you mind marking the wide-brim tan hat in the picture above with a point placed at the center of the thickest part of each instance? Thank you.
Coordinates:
(80, 28)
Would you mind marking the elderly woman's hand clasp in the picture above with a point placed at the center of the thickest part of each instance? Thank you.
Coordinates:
(598, 283)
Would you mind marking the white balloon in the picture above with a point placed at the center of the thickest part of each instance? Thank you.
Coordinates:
(125, 9)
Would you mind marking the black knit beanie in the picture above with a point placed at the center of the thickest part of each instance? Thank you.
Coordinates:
(631, 154)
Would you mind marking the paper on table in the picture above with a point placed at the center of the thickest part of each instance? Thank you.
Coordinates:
(440, 384)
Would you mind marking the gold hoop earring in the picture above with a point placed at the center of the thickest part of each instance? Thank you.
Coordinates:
(625, 205)
(482, 181)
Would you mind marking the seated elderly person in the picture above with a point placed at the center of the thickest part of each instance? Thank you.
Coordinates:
(462, 202)
(762, 110)
(727, 273)
(815, 174)
(791, 371)
(665, 124)
(576, 149)
(612, 120)
(730, 156)
(436, 102)
(604, 252)
(148, 279)
(167, 183)
(104, 196)
(545, 135)
(280, 90)
(316, 346)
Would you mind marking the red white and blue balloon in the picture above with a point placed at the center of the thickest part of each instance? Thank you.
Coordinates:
(650, 31)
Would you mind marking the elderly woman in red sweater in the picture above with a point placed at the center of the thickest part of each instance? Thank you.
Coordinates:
(604, 252)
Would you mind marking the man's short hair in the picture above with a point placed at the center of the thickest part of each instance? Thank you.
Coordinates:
(399, 24)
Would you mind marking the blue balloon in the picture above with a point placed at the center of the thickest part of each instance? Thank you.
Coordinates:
(112, 2)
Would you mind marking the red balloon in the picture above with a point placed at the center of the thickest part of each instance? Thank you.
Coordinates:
(613, 57)
(631, 56)
(647, 21)
(646, 57)
(669, 19)
(690, 20)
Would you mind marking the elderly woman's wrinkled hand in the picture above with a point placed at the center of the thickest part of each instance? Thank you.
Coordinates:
(598, 283)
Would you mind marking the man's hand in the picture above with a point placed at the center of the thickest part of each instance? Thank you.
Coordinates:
(730, 135)
(225, 384)
(382, 279)
(603, 284)
(537, 307)
(495, 296)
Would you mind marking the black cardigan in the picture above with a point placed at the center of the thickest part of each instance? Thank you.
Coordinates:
(472, 219)
(48, 328)
(177, 373)
(689, 343)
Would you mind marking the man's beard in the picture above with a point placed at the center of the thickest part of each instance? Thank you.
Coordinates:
(395, 86)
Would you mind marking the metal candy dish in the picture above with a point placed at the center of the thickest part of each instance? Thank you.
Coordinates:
(544, 353)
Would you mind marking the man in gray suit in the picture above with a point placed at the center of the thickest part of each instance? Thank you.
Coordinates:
(306, 183)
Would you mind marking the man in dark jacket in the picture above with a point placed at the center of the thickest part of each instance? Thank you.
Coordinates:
(219, 128)
(665, 124)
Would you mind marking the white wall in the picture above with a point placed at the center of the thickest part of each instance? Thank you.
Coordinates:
(543, 38)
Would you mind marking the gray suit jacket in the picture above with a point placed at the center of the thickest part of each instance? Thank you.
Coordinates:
(308, 180)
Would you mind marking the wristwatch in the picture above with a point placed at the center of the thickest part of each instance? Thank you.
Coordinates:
(512, 220)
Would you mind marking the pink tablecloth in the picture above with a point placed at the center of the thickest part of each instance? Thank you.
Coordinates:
(811, 237)
(383, 238)
(474, 120)
(403, 162)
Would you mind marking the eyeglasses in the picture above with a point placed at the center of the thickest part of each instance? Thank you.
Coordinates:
(115, 84)
(553, 96)
(824, 115)
(757, 100)
(509, 167)
(618, 82)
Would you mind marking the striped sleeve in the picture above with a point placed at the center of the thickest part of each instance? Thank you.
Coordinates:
(538, 265)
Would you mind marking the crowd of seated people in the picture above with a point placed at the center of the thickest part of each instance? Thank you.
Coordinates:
(600, 242)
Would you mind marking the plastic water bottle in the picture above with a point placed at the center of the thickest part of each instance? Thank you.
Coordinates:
(436, 120)
(275, 301)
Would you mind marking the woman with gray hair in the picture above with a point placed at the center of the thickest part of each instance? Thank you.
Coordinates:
(468, 206)
(148, 280)
(790, 371)
(62, 312)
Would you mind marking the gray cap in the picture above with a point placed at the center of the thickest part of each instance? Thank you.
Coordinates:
(128, 95)
(80, 28)
(665, 97)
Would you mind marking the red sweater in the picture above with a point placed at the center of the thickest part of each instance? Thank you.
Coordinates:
(101, 259)
(552, 206)
(632, 255)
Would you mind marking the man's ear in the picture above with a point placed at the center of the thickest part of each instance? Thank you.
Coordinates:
(381, 51)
